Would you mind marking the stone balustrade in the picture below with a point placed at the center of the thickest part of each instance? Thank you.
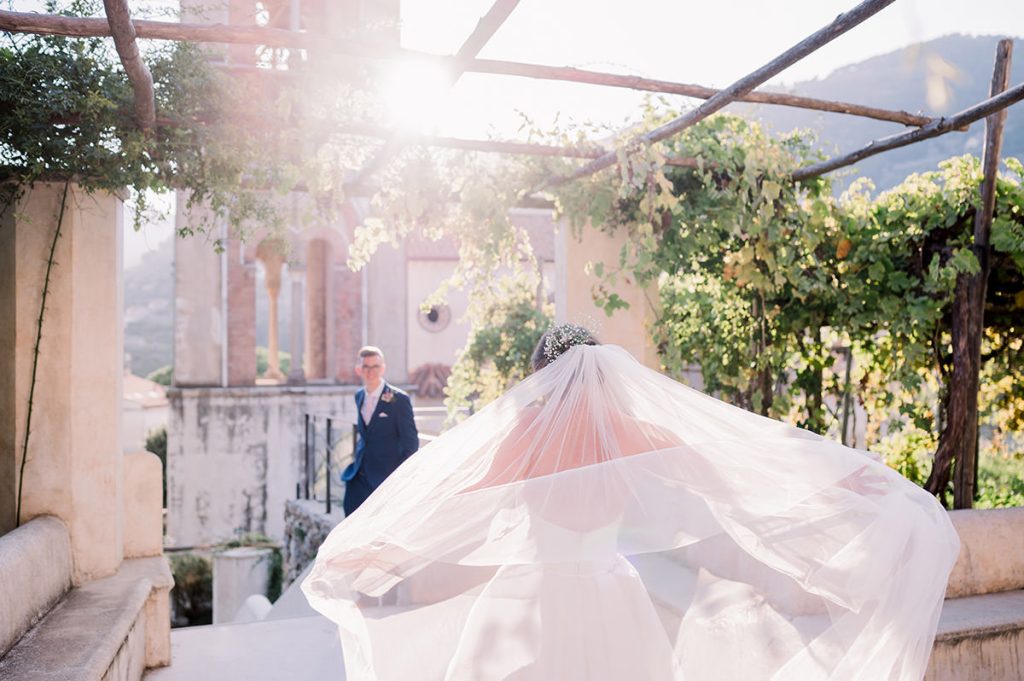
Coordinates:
(110, 628)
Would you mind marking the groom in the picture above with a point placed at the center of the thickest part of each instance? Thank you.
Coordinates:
(387, 431)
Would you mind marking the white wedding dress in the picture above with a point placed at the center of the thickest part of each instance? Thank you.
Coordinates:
(603, 522)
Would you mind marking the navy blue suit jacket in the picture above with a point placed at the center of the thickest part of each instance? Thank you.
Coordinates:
(387, 440)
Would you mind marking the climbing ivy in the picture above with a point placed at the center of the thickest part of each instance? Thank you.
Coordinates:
(232, 141)
(767, 285)
(761, 282)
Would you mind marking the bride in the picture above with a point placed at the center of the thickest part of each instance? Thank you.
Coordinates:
(602, 522)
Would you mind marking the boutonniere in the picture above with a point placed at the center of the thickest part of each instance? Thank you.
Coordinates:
(387, 396)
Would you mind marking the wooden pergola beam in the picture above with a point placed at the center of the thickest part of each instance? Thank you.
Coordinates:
(45, 24)
(842, 24)
(119, 20)
(387, 134)
(573, 75)
(940, 126)
(486, 27)
(495, 146)
(91, 27)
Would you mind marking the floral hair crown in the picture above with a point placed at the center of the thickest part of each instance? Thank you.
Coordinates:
(563, 337)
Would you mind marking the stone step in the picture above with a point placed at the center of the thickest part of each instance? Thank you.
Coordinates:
(980, 638)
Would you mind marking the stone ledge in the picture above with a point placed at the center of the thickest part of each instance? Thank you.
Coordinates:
(991, 555)
(980, 638)
(976, 616)
(35, 562)
(82, 636)
(98, 631)
(341, 389)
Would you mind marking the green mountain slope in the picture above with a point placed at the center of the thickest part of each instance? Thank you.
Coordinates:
(958, 66)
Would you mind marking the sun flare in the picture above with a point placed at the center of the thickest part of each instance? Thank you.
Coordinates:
(413, 93)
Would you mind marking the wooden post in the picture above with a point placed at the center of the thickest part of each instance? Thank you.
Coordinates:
(959, 439)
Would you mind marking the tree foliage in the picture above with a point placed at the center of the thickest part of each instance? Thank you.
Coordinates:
(793, 302)
(771, 287)
(504, 332)
(764, 283)
(232, 142)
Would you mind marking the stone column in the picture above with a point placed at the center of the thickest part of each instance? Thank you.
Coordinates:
(74, 468)
(241, 316)
(271, 254)
(348, 323)
(199, 302)
(317, 268)
(295, 334)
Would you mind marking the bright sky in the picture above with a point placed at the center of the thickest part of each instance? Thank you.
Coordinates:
(692, 41)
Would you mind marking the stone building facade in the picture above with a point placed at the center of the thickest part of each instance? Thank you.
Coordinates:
(236, 432)
(235, 439)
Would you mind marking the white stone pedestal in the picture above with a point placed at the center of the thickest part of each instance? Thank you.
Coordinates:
(238, 574)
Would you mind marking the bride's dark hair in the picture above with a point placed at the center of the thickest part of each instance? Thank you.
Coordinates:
(557, 340)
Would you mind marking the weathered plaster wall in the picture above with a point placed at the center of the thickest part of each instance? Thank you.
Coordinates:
(234, 456)
(574, 299)
(425, 346)
(387, 325)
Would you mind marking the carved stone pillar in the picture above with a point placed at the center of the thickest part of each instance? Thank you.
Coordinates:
(295, 331)
(318, 278)
(271, 254)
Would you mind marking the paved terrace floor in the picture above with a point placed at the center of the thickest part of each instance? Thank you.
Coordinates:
(295, 642)
(270, 650)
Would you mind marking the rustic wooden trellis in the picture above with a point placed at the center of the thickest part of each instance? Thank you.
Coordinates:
(125, 31)
(970, 296)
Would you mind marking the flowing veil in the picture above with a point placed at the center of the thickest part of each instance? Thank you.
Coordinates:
(601, 521)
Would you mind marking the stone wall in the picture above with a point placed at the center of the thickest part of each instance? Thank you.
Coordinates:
(305, 528)
(234, 456)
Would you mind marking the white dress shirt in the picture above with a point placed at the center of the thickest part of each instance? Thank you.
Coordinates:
(370, 403)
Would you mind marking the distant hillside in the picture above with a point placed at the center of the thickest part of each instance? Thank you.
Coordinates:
(149, 310)
(961, 65)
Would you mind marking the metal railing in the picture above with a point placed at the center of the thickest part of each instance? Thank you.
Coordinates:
(326, 437)
(329, 445)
